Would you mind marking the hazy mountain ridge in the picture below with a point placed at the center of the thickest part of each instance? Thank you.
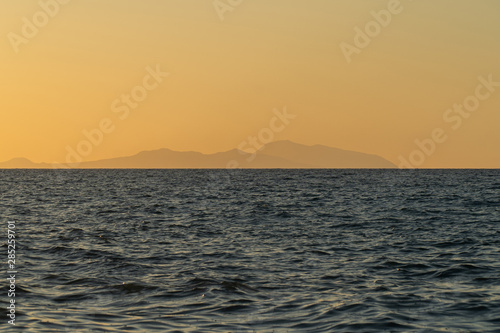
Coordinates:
(279, 154)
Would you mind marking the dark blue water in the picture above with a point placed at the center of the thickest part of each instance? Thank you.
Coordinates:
(254, 251)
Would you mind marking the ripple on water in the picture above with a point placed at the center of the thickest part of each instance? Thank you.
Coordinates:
(271, 250)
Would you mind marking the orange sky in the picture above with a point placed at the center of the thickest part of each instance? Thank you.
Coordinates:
(231, 66)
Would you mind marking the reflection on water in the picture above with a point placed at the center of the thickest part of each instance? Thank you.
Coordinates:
(262, 251)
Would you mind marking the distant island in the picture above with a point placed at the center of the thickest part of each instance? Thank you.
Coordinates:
(275, 155)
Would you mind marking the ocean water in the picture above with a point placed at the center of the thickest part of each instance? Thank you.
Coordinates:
(253, 250)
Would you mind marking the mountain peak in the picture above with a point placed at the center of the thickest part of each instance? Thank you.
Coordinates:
(20, 160)
(283, 154)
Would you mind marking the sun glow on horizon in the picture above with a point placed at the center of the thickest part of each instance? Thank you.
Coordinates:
(417, 81)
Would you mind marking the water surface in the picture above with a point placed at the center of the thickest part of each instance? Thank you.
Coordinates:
(254, 250)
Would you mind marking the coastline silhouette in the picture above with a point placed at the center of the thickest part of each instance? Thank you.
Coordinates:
(275, 155)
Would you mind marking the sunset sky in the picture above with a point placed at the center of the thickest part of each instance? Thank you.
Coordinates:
(230, 66)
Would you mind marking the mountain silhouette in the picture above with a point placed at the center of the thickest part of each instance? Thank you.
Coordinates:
(325, 157)
(278, 154)
(23, 163)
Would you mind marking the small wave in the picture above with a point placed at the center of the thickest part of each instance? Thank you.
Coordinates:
(132, 288)
(75, 297)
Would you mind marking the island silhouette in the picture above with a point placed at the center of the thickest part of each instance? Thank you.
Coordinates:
(274, 155)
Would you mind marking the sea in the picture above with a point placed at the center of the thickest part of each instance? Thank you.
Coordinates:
(251, 250)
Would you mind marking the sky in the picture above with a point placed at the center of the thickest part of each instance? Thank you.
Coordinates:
(416, 82)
